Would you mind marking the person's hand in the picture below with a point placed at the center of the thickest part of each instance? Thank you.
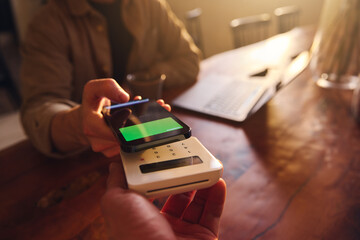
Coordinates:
(164, 105)
(97, 94)
(84, 125)
(128, 215)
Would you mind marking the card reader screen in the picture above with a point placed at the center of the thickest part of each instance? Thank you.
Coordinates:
(151, 128)
(165, 165)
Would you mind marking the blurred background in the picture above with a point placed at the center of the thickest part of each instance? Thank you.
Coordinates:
(217, 14)
(213, 18)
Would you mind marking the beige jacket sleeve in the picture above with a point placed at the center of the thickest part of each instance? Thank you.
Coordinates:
(46, 75)
(66, 46)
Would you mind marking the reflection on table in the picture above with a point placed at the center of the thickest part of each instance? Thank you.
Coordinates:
(292, 169)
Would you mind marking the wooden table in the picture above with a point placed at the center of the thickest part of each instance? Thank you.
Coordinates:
(292, 169)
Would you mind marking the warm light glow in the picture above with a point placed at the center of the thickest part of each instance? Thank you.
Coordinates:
(274, 53)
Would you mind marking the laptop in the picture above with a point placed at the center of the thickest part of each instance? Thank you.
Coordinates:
(236, 97)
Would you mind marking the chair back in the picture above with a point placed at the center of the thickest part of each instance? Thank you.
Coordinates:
(248, 30)
(194, 27)
(287, 18)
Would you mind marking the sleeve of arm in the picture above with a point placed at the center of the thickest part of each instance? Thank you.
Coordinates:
(46, 79)
(182, 57)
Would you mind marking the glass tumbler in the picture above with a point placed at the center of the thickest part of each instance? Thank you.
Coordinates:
(356, 102)
(336, 48)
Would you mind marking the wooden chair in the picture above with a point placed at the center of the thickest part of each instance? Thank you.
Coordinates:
(194, 27)
(248, 30)
(287, 18)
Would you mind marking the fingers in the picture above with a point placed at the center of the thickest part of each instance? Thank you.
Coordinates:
(97, 89)
(116, 177)
(100, 144)
(194, 211)
(104, 142)
(129, 215)
(98, 93)
(111, 152)
(160, 101)
(94, 126)
(176, 204)
(164, 105)
(214, 206)
(207, 206)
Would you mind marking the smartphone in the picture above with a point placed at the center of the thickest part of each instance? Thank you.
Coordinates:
(143, 124)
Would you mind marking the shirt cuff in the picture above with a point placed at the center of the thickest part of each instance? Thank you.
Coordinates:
(37, 125)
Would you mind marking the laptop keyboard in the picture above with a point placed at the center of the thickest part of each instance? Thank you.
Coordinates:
(233, 98)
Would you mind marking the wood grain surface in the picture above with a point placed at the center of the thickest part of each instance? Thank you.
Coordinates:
(292, 169)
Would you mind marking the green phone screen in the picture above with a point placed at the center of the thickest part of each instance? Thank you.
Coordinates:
(151, 128)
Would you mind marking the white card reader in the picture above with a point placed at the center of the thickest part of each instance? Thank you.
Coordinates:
(172, 168)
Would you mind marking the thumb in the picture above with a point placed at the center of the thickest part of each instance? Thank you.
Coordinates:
(116, 177)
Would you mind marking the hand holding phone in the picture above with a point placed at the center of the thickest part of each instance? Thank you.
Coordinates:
(144, 124)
